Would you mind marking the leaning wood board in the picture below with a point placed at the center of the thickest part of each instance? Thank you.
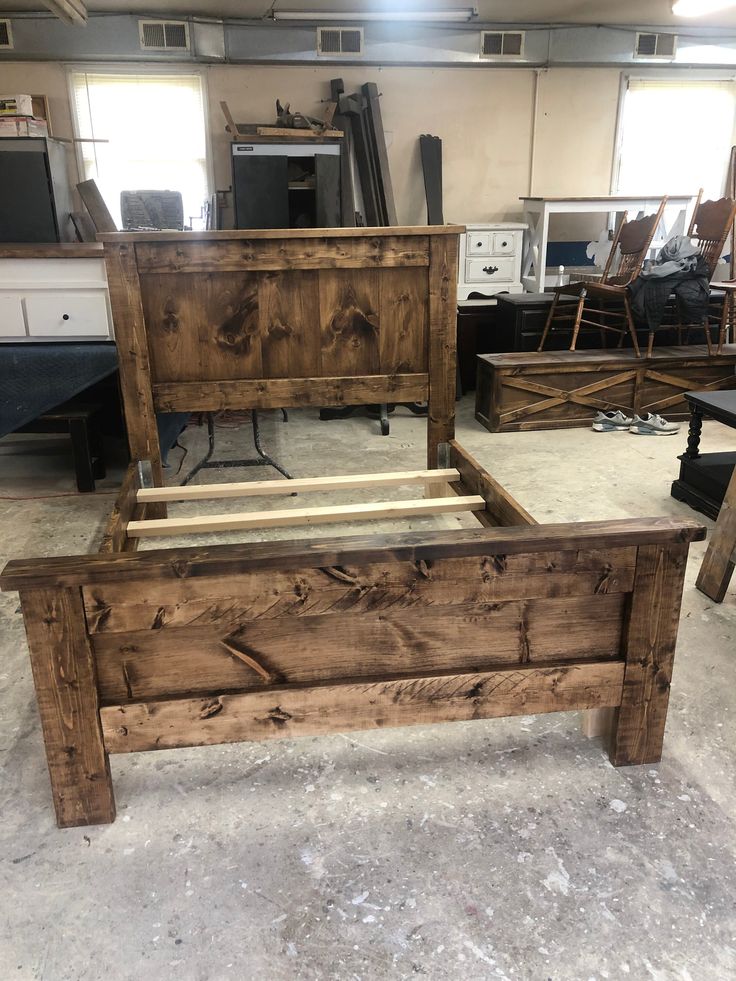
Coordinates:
(134, 651)
(564, 389)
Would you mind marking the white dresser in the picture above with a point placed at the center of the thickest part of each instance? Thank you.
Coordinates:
(490, 260)
(53, 293)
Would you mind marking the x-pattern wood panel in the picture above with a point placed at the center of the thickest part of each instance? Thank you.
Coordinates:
(583, 395)
(683, 385)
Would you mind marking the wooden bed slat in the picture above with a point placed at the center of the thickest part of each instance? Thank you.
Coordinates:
(255, 488)
(303, 516)
(300, 711)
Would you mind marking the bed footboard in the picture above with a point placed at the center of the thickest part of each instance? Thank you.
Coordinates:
(186, 647)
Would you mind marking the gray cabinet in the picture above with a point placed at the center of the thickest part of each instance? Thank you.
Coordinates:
(287, 184)
(35, 197)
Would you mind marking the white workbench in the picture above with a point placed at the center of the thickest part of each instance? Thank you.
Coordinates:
(537, 211)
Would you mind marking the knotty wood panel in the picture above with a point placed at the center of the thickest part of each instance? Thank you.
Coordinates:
(403, 341)
(152, 663)
(274, 393)
(361, 705)
(442, 345)
(116, 607)
(349, 318)
(125, 508)
(66, 692)
(289, 324)
(290, 251)
(649, 646)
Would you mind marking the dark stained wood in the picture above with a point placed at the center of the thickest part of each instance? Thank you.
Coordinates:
(349, 314)
(563, 389)
(274, 393)
(297, 251)
(442, 375)
(126, 508)
(289, 314)
(359, 705)
(500, 505)
(321, 649)
(269, 233)
(122, 607)
(649, 648)
(403, 316)
(132, 345)
(720, 558)
(95, 205)
(190, 563)
(68, 703)
(52, 250)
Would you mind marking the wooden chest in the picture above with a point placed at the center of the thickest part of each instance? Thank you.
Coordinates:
(564, 389)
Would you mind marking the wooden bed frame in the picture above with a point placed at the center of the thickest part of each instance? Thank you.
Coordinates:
(140, 650)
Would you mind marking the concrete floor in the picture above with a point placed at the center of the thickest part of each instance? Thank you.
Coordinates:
(482, 850)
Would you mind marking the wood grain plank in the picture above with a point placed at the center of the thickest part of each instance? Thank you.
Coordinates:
(349, 317)
(382, 586)
(328, 251)
(309, 649)
(330, 514)
(276, 393)
(263, 234)
(720, 558)
(649, 647)
(176, 564)
(403, 338)
(288, 306)
(442, 344)
(500, 505)
(362, 705)
(125, 508)
(66, 692)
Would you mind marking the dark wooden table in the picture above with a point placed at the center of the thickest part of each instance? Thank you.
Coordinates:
(704, 477)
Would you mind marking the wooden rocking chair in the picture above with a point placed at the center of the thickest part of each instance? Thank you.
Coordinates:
(630, 245)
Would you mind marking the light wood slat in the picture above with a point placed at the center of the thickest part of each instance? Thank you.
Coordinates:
(298, 711)
(358, 587)
(346, 644)
(255, 488)
(277, 393)
(303, 516)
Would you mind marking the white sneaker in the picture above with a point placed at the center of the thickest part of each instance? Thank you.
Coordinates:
(653, 425)
(611, 422)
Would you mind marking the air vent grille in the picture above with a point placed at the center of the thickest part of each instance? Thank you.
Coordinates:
(501, 44)
(656, 46)
(6, 34)
(332, 41)
(164, 35)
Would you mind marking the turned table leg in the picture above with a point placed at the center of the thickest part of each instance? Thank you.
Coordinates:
(694, 433)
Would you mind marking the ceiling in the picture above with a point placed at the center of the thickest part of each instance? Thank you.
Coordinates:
(638, 12)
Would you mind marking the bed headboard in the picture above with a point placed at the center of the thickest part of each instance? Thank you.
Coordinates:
(271, 318)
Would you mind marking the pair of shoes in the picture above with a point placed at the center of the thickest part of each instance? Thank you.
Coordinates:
(648, 425)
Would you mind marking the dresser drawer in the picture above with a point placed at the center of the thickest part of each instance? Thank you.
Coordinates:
(478, 243)
(67, 313)
(12, 321)
(503, 243)
(489, 270)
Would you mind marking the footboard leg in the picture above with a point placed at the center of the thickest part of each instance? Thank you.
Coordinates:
(66, 690)
(649, 646)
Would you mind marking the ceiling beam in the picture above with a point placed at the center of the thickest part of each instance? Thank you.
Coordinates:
(69, 11)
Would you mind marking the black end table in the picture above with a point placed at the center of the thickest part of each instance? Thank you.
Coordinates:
(704, 477)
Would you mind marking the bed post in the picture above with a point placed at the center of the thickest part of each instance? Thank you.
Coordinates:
(66, 691)
(443, 251)
(649, 648)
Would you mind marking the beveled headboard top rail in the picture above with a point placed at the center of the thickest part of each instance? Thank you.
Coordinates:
(269, 233)
(190, 562)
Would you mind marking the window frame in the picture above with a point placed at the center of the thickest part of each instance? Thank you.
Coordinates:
(142, 68)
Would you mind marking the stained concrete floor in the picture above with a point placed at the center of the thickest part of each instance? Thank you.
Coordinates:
(482, 850)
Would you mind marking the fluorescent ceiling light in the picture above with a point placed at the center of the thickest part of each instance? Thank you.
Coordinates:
(442, 16)
(700, 8)
(70, 11)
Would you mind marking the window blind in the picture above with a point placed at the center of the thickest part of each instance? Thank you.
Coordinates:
(156, 131)
(676, 136)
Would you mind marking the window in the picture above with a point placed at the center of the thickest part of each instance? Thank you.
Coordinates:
(676, 136)
(156, 131)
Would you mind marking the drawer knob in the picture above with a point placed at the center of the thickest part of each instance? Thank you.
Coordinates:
(490, 270)
(478, 245)
(65, 316)
(504, 244)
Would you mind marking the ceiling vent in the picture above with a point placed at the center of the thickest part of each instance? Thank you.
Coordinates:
(339, 41)
(164, 35)
(656, 46)
(6, 34)
(501, 44)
